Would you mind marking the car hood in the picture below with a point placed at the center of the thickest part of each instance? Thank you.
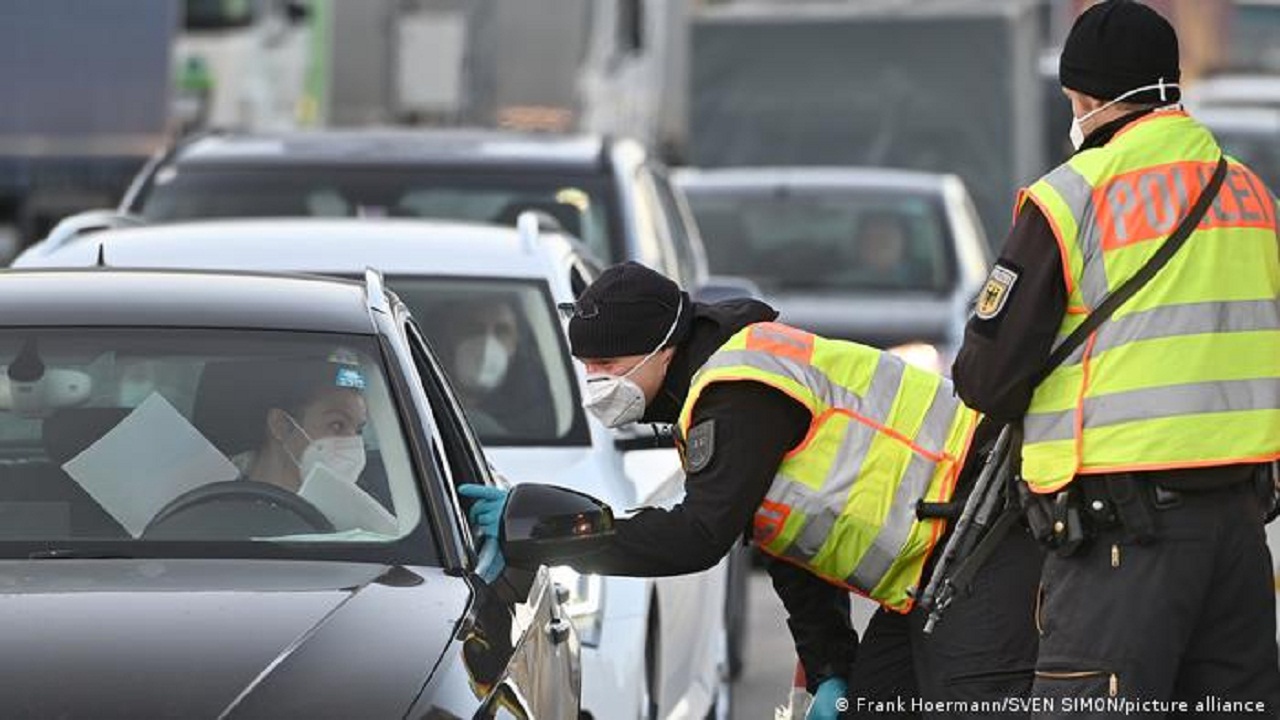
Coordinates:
(197, 638)
(878, 319)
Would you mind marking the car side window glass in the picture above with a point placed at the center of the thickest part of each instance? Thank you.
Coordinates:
(461, 449)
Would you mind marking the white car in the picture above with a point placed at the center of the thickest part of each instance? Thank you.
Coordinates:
(652, 648)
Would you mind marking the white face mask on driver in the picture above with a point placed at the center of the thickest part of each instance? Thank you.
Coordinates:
(342, 456)
(1077, 123)
(617, 400)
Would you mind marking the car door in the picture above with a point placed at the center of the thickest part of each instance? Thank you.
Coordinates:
(537, 671)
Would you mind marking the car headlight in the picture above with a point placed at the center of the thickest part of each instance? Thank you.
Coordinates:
(585, 603)
(922, 355)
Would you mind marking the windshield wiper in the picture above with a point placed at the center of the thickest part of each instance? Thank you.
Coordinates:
(70, 554)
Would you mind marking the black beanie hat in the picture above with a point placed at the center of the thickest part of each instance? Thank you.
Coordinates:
(628, 311)
(1117, 46)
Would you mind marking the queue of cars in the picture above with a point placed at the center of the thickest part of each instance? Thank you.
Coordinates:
(485, 299)
(480, 235)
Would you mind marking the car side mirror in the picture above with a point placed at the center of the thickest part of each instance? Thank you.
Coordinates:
(548, 525)
(643, 437)
(726, 287)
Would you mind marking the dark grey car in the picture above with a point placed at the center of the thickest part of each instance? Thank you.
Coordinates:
(157, 562)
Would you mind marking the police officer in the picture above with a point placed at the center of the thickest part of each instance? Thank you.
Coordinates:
(1146, 441)
(819, 449)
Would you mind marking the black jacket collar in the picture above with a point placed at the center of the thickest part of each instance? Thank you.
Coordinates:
(1103, 134)
(712, 326)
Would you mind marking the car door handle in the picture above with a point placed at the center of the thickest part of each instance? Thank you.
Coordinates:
(558, 629)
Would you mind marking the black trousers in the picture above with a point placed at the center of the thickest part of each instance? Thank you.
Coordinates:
(1188, 618)
(983, 649)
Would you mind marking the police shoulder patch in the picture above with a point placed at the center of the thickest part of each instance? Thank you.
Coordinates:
(700, 446)
(995, 293)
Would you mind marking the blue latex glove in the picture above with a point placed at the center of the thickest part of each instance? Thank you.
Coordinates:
(486, 511)
(491, 563)
(830, 700)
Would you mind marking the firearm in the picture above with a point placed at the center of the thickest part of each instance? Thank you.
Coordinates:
(959, 559)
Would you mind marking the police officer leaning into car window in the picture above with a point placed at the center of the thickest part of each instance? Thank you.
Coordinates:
(1143, 450)
(819, 450)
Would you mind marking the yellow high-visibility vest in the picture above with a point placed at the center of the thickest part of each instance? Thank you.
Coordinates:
(884, 435)
(1187, 372)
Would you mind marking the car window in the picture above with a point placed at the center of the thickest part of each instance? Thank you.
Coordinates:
(827, 241)
(504, 352)
(206, 442)
(583, 204)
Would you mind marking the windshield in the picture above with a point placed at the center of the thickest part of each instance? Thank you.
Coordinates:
(583, 204)
(835, 240)
(204, 443)
(504, 351)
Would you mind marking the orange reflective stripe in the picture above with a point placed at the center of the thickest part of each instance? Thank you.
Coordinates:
(769, 519)
(781, 340)
(1147, 204)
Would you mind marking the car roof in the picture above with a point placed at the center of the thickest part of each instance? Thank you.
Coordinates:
(182, 299)
(341, 246)
(392, 146)
(853, 178)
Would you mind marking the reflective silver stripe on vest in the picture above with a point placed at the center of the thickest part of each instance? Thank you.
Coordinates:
(880, 394)
(1189, 319)
(823, 506)
(911, 488)
(1156, 402)
(1077, 193)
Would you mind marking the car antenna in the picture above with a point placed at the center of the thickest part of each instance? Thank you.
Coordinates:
(102, 255)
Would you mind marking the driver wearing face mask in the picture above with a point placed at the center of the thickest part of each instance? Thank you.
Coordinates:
(316, 427)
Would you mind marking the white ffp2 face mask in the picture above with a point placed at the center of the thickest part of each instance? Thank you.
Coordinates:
(342, 456)
(482, 362)
(1077, 123)
(617, 400)
(614, 400)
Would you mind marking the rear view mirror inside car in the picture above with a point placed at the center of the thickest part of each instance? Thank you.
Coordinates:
(56, 388)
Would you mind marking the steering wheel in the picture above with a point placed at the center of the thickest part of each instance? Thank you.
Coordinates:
(196, 513)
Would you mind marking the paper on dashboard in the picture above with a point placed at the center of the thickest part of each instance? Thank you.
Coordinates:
(346, 505)
(151, 457)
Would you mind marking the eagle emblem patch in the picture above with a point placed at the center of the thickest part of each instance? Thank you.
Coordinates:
(995, 293)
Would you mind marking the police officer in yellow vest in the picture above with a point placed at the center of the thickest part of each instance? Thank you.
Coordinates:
(1150, 440)
(819, 450)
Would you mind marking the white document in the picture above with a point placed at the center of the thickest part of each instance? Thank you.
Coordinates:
(153, 456)
(347, 506)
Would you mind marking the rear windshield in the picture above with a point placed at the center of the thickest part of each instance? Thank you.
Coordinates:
(833, 240)
(138, 442)
(582, 203)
